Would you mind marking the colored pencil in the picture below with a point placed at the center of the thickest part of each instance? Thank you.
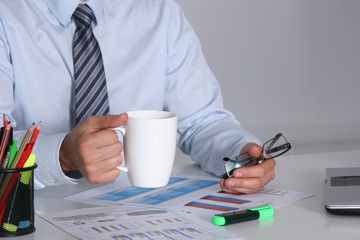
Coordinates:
(24, 157)
(22, 146)
(35, 133)
(4, 142)
(5, 121)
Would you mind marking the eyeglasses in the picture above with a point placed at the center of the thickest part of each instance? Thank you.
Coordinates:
(271, 149)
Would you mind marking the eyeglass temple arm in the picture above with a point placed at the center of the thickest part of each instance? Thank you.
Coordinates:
(273, 141)
(278, 148)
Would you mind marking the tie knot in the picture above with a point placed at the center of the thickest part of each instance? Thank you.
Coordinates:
(83, 15)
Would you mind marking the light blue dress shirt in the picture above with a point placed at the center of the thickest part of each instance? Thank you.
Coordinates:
(153, 60)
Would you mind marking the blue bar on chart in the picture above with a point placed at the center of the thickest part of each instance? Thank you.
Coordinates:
(177, 192)
(116, 196)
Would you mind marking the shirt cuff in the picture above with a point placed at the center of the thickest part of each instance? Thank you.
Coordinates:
(49, 171)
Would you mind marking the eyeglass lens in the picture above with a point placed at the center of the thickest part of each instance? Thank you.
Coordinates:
(276, 146)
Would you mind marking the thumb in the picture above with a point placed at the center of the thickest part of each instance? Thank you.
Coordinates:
(254, 150)
(108, 121)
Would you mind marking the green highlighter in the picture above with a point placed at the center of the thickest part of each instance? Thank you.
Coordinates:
(12, 150)
(260, 212)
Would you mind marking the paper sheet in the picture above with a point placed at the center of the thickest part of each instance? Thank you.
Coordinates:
(131, 223)
(198, 196)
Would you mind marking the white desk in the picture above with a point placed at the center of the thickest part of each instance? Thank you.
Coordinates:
(306, 219)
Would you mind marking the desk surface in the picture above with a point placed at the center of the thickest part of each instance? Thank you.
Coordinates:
(306, 219)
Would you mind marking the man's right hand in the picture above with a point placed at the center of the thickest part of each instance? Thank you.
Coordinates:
(93, 149)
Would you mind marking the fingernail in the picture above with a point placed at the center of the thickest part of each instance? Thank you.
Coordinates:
(238, 174)
(231, 183)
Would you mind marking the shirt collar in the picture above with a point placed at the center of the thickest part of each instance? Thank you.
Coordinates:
(64, 9)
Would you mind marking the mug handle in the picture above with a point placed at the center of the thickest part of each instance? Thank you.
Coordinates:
(122, 130)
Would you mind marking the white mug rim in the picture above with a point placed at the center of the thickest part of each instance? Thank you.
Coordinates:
(150, 114)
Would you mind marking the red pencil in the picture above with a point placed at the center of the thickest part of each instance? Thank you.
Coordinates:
(35, 133)
(24, 157)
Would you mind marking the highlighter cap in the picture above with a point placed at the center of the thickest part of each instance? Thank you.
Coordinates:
(265, 211)
(218, 220)
(30, 161)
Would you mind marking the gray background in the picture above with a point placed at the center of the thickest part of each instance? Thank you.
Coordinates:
(289, 66)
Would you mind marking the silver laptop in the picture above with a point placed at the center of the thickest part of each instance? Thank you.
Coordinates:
(342, 190)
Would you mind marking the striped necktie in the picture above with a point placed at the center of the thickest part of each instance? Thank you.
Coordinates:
(91, 96)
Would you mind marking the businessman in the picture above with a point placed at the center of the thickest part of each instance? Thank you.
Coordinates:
(79, 66)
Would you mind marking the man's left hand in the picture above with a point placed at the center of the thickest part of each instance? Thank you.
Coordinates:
(253, 178)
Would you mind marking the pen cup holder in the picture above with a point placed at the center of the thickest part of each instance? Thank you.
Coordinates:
(17, 201)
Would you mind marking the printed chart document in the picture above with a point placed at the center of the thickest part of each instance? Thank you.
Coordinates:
(131, 223)
(201, 197)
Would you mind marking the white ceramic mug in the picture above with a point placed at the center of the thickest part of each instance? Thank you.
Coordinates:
(149, 147)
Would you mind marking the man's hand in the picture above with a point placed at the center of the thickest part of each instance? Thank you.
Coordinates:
(250, 179)
(93, 149)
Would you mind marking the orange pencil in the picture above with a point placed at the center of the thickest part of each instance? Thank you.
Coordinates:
(4, 141)
(5, 121)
